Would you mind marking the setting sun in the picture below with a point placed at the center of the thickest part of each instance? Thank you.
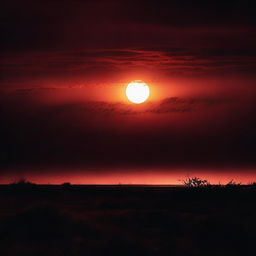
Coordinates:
(137, 91)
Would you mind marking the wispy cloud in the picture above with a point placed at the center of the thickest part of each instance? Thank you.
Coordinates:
(168, 60)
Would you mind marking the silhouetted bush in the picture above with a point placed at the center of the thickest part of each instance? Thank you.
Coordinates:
(195, 182)
(232, 183)
(23, 183)
(66, 184)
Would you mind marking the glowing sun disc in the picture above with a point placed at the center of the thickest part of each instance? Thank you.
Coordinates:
(137, 91)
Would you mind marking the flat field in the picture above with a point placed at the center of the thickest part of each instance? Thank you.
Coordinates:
(127, 220)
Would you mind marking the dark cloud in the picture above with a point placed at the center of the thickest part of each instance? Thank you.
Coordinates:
(174, 104)
(102, 62)
(180, 132)
(169, 105)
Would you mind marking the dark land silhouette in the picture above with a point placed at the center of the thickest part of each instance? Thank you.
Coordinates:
(127, 220)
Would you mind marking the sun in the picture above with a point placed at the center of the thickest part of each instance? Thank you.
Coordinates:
(137, 91)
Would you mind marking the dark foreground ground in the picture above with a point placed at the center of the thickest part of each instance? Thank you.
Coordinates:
(126, 220)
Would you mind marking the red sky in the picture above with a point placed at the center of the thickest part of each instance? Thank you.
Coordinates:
(64, 66)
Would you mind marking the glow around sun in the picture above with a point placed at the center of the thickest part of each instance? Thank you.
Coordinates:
(137, 91)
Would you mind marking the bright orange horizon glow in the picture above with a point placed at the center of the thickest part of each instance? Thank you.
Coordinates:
(114, 177)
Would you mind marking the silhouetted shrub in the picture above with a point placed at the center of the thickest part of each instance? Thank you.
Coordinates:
(195, 182)
(66, 184)
(232, 183)
(23, 183)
